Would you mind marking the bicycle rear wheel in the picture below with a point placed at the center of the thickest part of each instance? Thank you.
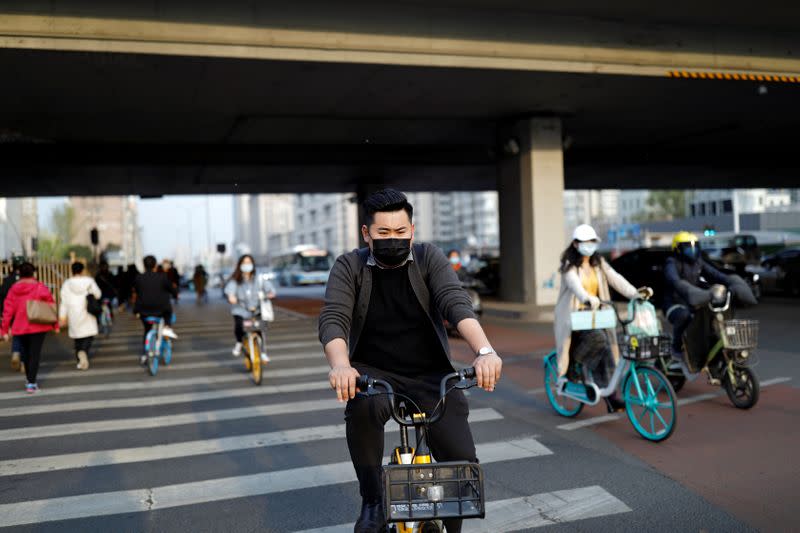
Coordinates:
(152, 356)
(255, 358)
(166, 351)
(650, 403)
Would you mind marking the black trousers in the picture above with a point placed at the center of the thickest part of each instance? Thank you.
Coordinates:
(83, 345)
(450, 439)
(680, 317)
(31, 345)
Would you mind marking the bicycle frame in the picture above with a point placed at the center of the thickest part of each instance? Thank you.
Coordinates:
(578, 391)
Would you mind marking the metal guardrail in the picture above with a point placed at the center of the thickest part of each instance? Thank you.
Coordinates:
(52, 274)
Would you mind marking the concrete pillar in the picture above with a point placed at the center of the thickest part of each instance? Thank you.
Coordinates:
(531, 194)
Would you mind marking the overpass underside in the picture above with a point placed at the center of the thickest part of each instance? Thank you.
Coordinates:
(169, 97)
(528, 98)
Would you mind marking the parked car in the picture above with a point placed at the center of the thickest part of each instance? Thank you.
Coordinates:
(645, 267)
(780, 272)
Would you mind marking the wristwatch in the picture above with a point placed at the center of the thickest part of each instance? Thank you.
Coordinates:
(486, 350)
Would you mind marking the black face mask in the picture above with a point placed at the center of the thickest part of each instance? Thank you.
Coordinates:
(391, 252)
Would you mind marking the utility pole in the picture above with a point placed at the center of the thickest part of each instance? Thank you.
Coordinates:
(735, 210)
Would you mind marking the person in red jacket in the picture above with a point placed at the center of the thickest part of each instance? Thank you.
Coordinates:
(15, 318)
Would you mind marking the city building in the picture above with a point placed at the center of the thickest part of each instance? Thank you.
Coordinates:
(597, 207)
(712, 202)
(263, 224)
(329, 221)
(632, 205)
(117, 222)
(19, 226)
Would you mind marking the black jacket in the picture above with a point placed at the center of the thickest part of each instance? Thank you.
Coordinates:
(683, 285)
(154, 293)
(348, 293)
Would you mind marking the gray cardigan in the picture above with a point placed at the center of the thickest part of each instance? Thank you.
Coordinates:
(434, 281)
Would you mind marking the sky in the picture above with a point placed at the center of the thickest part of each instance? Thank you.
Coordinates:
(171, 222)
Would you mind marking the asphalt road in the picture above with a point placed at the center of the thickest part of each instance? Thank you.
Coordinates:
(200, 448)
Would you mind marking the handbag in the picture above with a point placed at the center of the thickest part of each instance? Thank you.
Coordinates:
(41, 312)
(596, 319)
(93, 305)
(645, 322)
(267, 313)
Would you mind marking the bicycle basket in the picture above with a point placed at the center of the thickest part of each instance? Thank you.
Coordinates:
(433, 491)
(643, 346)
(739, 334)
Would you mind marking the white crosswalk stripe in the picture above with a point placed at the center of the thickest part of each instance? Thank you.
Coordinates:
(295, 388)
(178, 495)
(537, 510)
(187, 449)
(150, 384)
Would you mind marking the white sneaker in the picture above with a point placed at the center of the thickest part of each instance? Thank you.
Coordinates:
(168, 332)
(83, 361)
(142, 359)
(237, 349)
(264, 358)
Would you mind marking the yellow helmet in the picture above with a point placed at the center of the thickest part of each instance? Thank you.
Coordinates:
(682, 237)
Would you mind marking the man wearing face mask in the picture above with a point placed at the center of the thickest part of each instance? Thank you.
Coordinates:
(383, 316)
(585, 280)
(682, 273)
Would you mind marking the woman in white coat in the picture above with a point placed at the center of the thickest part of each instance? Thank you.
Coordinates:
(585, 280)
(73, 311)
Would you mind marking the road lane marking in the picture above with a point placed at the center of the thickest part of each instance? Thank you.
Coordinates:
(150, 383)
(30, 465)
(220, 363)
(213, 490)
(682, 401)
(537, 510)
(166, 399)
(224, 361)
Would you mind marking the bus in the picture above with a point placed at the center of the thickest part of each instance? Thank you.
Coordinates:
(304, 264)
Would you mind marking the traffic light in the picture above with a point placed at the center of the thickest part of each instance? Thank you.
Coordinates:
(709, 231)
(221, 248)
(95, 236)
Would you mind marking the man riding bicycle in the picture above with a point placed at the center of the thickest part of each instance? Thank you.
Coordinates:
(682, 272)
(384, 314)
(154, 294)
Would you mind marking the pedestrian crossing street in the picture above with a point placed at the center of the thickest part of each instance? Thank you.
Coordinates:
(200, 448)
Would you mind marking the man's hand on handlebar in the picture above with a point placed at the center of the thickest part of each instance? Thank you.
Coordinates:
(343, 381)
(487, 370)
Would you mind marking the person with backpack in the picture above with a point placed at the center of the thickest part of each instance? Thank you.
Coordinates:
(80, 295)
(383, 316)
(27, 313)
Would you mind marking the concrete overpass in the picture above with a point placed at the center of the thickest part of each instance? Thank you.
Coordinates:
(243, 96)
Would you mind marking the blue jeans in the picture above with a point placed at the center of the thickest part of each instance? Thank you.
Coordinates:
(16, 344)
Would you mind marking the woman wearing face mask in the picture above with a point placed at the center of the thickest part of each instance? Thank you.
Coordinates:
(245, 291)
(585, 280)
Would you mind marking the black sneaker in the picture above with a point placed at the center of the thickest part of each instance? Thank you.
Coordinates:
(371, 519)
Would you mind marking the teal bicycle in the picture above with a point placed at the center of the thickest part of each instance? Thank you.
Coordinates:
(650, 402)
(156, 345)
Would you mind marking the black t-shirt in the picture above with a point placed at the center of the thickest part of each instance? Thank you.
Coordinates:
(398, 335)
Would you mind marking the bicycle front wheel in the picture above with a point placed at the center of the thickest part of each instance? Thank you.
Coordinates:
(563, 405)
(255, 359)
(650, 403)
(744, 392)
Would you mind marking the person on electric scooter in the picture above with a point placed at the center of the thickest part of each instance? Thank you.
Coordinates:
(585, 281)
(685, 273)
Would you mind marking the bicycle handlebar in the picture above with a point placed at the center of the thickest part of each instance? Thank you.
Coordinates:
(466, 380)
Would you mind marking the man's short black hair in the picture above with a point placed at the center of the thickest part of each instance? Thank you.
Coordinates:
(149, 263)
(77, 268)
(26, 270)
(386, 201)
